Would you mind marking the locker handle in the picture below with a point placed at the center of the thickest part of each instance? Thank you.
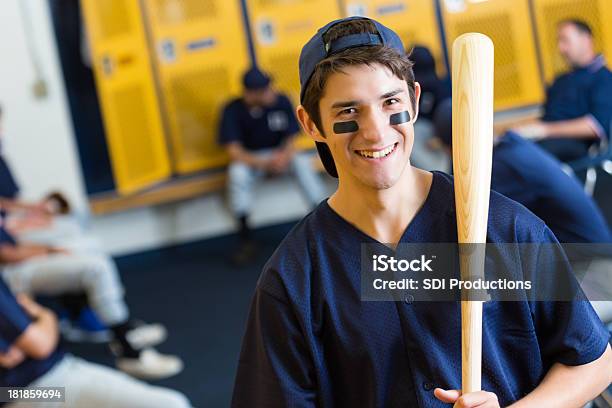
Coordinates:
(108, 66)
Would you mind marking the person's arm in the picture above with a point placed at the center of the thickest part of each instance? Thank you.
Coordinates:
(21, 252)
(286, 151)
(239, 153)
(11, 204)
(283, 155)
(11, 358)
(581, 128)
(570, 386)
(562, 387)
(41, 336)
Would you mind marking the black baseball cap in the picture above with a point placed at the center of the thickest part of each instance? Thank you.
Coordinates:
(255, 79)
(316, 50)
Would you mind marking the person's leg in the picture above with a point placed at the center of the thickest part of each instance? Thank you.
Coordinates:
(308, 179)
(59, 274)
(241, 182)
(93, 385)
(566, 150)
(97, 276)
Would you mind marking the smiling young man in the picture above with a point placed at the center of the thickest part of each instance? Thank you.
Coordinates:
(310, 339)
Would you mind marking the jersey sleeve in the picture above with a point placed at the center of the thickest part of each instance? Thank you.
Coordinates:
(569, 332)
(13, 320)
(229, 126)
(600, 104)
(275, 367)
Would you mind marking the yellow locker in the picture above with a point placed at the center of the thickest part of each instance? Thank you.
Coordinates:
(201, 51)
(508, 24)
(548, 13)
(126, 90)
(413, 20)
(280, 28)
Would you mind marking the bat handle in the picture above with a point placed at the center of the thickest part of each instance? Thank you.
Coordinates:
(471, 345)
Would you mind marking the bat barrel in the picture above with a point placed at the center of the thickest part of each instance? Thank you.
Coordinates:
(472, 106)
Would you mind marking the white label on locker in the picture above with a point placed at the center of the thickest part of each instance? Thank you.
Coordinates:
(266, 32)
(357, 9)
(167, 51)
(390, 9)
(201, 44)
(455, 6)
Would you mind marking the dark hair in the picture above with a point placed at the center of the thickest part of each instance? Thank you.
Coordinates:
(388, 57)
(580, 25)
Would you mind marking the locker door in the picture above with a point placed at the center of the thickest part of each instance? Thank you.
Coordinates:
(201, 53)
(280, 28)
(127, 94)
(413, 20)
(548, 13)
(508, 24)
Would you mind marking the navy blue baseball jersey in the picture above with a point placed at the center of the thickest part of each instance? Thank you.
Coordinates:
(257, 129)
(13, 322)
(310, 340)
(526, 173)
(582, 92)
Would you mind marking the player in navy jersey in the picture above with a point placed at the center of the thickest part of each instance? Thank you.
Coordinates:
(257, 130)
(578, 107)
(311, 341)
(528, 174)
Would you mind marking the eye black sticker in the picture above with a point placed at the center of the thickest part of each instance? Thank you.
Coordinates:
(399, 118)
(346, 127)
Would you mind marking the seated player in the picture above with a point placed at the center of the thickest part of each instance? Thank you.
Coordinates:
(578, 107)
(36, 269)
(531, 176)
(258, 130)
(80, 276)
(311, 341)
(526, 173)
(30, 357)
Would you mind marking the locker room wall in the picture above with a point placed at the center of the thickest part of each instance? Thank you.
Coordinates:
(415, 21)
(188, 44)
(199, 62)
(507, 22)
(37, 136)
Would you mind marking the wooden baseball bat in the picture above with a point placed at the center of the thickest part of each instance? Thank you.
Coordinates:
(472, 82)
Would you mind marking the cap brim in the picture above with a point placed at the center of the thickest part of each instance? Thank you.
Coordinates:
(327, 159)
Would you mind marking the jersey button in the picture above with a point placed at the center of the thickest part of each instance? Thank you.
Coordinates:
(428, 386)
(409, 299)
